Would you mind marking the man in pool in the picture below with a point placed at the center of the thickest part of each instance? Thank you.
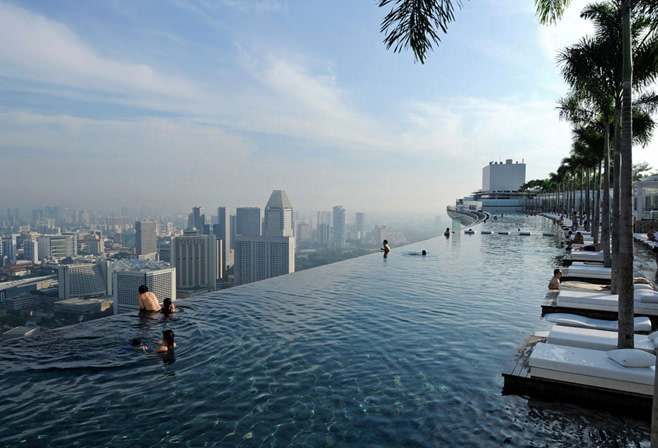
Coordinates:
(147, 301)
(555, 281)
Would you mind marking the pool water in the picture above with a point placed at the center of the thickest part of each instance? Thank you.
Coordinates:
(370, 352)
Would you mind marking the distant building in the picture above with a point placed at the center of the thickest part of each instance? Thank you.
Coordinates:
(195, 258)
(9, 249)
(85, 280)
(146, 240)
(197, 220)
(261, 257)
(82, 309)
(57, 246)
(247, 221)
(339, 233)
(498, 176)
(30, 250)
(222, 231)
(129, 275)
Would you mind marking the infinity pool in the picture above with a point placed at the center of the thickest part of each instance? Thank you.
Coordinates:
(371, 352)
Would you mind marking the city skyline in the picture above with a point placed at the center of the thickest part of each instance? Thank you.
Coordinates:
(172, 104)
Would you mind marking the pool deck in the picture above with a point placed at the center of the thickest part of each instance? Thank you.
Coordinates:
(518, 381)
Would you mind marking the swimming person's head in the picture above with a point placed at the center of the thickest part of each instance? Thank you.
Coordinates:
(424, 252)
(557, 273)
(168, 338)
(142, 289)
(167, 306)
(137, 342)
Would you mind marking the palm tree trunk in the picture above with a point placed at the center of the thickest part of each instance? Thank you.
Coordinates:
(614, 220)
(605, 212)
(596, 209)
(625, 272)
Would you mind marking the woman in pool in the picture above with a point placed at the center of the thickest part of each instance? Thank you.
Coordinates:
(167, 342)
(168, 307)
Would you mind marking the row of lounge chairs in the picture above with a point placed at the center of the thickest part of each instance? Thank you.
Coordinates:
(580, 353)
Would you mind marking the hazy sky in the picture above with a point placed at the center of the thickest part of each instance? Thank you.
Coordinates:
(177, 103)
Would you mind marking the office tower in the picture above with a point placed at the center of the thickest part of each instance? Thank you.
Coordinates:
(196, 219)
(247, 221)
(278, 215)
(161, 281)
(261, 257)
(323, 235)
(146, 240)
(57, 246)
(339, 235)
(359, 222)
(30, 250)
(195, 258)
(222, 231)
(12, 216)
(9, 249)
(85, 280)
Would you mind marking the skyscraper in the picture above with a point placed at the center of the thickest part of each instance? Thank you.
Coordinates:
(196, 219)
(261, 257)
(323, 234)
(339, 235)
(222, 231)
(247, 221)
(278, 215)
(146, 241)
(196, 262)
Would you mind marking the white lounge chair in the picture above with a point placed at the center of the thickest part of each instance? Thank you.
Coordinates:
(642, 324)
(594, 339)
(584, 366)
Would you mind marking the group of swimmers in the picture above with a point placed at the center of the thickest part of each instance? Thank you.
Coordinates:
(149, 304)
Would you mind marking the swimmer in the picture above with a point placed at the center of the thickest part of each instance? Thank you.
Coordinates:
(168, 307)
(447, 232)
(135, 344)
(423, 253)
(555, 281)
(386, 248)
(167, 342)
(146, 300)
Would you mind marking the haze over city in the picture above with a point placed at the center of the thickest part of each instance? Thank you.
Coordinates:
(171, 104)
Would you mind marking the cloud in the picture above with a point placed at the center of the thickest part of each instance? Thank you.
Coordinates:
(35, 48)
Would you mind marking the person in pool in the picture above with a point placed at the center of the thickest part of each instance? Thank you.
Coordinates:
(147, 301)
(555, 281)
(447, 232)
(167, 342)
(168, 307)
(386, 248)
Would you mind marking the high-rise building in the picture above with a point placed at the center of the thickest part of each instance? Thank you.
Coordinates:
(196, 220)
(261, 257)
(161, 281)
(85, 280)
(57, 246)
(339, 235)
(146, 240)
(359, 225)
(9, 249)
(222, 231)
(323, 234)
(195, 258)
(278, 215)
(31, 250)
(247, 221)
(499, 176)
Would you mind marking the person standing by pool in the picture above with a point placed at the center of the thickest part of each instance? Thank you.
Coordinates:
(447, 232)
(147, 301)
(555, 281)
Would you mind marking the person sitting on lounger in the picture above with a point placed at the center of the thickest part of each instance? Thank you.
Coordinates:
(555, 281)
(651, 234)
(590, 247)
(579, 238)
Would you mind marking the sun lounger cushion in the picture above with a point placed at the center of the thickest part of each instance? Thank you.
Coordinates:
(588, 367)
(594, 339)
(642, 324)
(630, 357)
